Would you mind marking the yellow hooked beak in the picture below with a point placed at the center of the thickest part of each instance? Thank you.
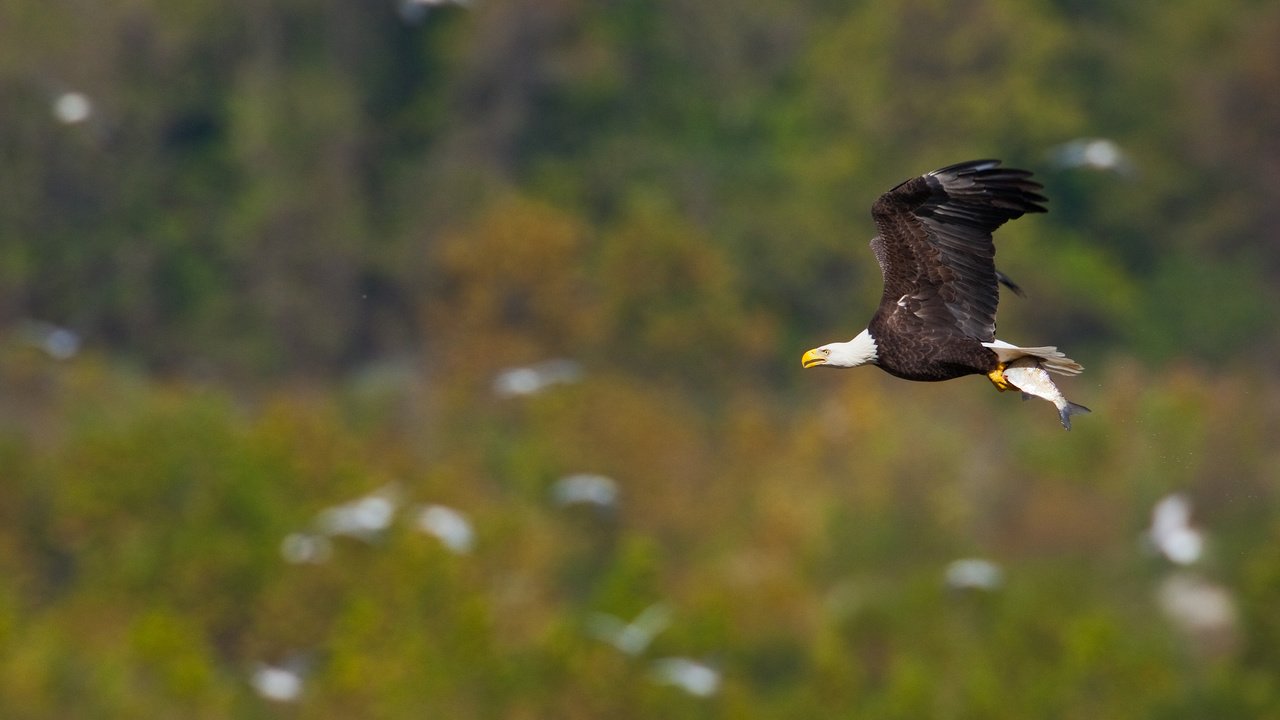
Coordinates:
(813, 358)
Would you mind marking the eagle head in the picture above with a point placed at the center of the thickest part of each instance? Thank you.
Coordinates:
(858, 351)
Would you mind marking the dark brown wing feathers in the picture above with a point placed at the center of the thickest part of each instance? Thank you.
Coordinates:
(934, 244)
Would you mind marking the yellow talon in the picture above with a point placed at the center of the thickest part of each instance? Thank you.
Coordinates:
(998, 379)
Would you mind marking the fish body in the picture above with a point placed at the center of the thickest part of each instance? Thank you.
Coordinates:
(1031, 378)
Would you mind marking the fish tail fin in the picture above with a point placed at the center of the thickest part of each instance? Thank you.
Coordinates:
(1066, 411)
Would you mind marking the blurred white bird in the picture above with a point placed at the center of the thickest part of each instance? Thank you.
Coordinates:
(694, 677)
(531, 379)
(57, 342)
(72, 108)
(974, 574)
(585, 489)
(1092, 154)
(1204, 611)
(1171, 531)
(447, 525)
(631, 638)
(278, 683)
(364, 518)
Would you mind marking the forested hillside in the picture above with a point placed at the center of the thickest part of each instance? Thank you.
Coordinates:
(267, 187)
(387, 359)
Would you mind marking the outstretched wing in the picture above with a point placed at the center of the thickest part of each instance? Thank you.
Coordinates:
(934, 242)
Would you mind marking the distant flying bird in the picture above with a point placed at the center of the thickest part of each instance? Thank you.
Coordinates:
(1092, 154)
(631, 637)
(532, 379)
(937, 315)
(694, 677)
(1172, 532)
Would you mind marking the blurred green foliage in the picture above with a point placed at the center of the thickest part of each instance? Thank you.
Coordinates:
(799, 547)
(299, 242)
(260, 187)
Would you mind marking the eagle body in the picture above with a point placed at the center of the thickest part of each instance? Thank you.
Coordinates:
(937, 314)
(903, 354)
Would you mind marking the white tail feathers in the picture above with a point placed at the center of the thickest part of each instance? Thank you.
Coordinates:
(1049, 357)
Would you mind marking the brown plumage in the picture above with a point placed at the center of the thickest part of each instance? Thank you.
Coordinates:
(937, 315)
(938, 260)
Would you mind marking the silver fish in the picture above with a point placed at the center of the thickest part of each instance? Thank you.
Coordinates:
(1028, 376)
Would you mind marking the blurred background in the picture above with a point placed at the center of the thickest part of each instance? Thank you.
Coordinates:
(407, 358)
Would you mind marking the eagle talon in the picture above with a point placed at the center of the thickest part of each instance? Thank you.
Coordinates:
(998, 379)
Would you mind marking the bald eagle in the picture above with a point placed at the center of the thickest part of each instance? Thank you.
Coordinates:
(937, 315)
